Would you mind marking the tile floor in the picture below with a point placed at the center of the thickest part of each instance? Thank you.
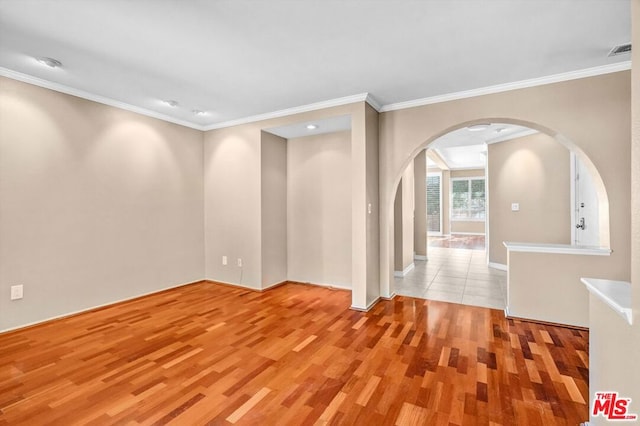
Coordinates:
(455, 275)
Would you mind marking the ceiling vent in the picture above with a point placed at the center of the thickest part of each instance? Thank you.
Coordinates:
(620, 49)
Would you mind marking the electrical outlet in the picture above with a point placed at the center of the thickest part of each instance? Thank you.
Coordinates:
(16, 292)
(224, 260)
(515, 207)
(240, 262)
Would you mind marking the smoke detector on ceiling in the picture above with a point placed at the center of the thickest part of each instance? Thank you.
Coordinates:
(620, 49)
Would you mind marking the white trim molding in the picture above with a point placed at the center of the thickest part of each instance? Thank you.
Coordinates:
(368, 307)
(362, 97)
(329, 286)
(406, 270)
(391, 297)
(25, 78)
(101, 305)
(373, 102)
(616, 294)
(419, 257)
(523, 84)
(498, 266)
(557, 249)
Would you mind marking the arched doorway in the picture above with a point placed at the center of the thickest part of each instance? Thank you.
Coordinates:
(602, 207)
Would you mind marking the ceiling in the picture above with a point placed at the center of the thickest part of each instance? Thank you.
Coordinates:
(240, 60)
(466, 148)
(338, 123)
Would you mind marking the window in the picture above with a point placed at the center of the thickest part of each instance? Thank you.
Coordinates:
(434, 201)
(467, 199)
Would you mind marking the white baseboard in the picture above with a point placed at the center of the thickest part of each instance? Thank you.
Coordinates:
(468, 233)
(240, 286)
(498, 266)
(391, 297)
(91, 308)
(368, 307)
(333, 286)
(408, 269)
(419, 257)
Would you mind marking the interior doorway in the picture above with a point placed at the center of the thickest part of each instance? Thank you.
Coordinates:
(584, 202)
(525, 173)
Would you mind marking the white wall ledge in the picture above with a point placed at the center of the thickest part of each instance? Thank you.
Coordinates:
(557, 249)
(616, 294)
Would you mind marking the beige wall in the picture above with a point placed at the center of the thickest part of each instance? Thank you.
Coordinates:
(463, 226)
(467, 227)
(319, 209)
(233, 226)
(398, 262)
(404, 213)
(546, 286)
(420, 200)
(97, 204)
(408, 208)
(534, 172)
(635, 181)
(614, 348)
(467, 173)
(232, 163)
(274, 209)
(372, 205)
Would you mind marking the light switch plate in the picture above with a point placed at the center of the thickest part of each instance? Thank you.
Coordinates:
(515, 207)
(16, 292)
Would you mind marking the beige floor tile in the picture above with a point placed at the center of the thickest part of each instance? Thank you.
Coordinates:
(443, 296)
(486, 302)
(440, 286)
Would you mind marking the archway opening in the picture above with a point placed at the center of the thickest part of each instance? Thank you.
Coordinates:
(525, 190)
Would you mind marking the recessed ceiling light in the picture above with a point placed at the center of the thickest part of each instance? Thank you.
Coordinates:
(50, 62)
(312, 126)
(478, 127)
(198, 112)
(171, 103)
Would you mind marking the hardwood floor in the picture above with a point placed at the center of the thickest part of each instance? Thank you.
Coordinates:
(211, 354)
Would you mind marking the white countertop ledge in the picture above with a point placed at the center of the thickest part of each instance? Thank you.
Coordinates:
(616, 294)
(557, 249)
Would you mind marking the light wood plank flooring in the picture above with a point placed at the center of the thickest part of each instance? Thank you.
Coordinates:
(211, 354)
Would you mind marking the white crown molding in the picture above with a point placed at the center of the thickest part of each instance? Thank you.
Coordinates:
(510, 136)
(556, 78)
(14, 75)
(363, 97)
(291, 111)
(373, 102)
